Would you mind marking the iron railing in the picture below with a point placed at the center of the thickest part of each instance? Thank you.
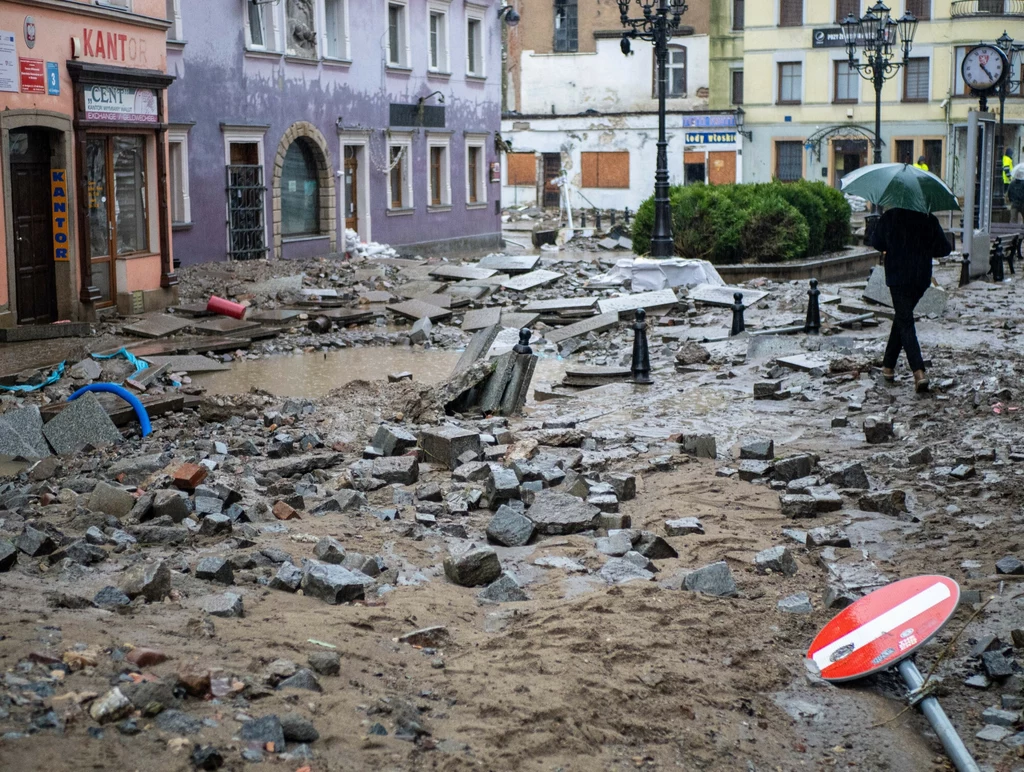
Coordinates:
(245, 212)
(967, 8)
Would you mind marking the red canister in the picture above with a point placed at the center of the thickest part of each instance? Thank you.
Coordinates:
(224, 307)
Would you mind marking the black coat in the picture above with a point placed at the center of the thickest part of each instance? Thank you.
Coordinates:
(909, 240)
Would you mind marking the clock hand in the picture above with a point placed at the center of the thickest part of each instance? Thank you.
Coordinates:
(993, 77)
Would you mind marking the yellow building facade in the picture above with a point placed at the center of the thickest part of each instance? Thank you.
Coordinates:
(810, 116)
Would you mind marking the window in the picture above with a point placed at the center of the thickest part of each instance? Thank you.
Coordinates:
(438, 61)
(738, 12)
(129, 154)
(846, 8)
(789, 160)
(990, 6)
(922, 9)
(399, 175)
(398, 35)
(257, 25)
(335, 29)
(522, 168)
(791, 13)
(474, 47)
(847, 80)
(438, 172)
(790, 82)
(300, 191)
(675, 73)
(301, 29)
(127, 4)
(605, 170)
(476, 171)
(915, 80)
(931, 149)
(904, 149)
(174, 17)
(566, 26)
(177, 151)
(737, 87)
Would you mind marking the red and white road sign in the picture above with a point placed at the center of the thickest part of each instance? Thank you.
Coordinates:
(883, 627)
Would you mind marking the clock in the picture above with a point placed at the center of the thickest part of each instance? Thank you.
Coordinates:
(985, 67)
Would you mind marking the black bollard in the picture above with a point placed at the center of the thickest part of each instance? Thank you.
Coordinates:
(523, 346)
(641, 366)
(597, 219)
(625, 215)
(583, 218)
(995, 261)
(965, 270)
(737, 315)
(611, 219)
(812, 325)
(1012, 253)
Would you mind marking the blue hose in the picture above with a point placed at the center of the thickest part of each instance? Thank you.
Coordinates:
(131, 399)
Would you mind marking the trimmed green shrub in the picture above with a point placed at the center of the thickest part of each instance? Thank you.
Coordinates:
(837, 215)
(774, 232)
(707, 225)
(811, 207)
(643, 222)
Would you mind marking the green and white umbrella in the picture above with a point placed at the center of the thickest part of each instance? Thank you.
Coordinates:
(900, 185)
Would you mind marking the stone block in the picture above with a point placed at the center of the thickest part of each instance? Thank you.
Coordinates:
(473, 568)
(877, 430)
(504, 589)
(715, 579)
(334, 584)
(8, 555)
(510, 528)
(850, 475)
(393, 440)
(172, 504)
(150, 580)
(187, 477)
(623, 484)
(214, 569)
(754, 470)
(699, 445)
(502, 485)
(776, 560)
(215, 525)
(345, 500)
(827, 536)
(796, 505)
(794, 467)
(421, 330)
(21, 433)
(558, 513)
(684, 526)
(329, 551)
(445, 444)
(888, 502)
(798, 603)
(34, 542)
(620, 570)
(403, 470)
(82, 423)
(287, 578)
(758, 450)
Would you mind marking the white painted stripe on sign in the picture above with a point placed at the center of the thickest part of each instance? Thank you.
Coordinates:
(895, 617)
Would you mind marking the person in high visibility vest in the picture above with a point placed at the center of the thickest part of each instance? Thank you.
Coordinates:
(921, 164)
(1007, 169)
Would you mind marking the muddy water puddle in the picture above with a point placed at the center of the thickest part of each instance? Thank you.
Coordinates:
(315, 374)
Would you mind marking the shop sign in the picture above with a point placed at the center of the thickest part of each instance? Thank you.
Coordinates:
(708, 121)
(53, 79)
(59, 200)
(828, 37)
(8, 62)
(114, 46)
(117, 103)
(30, 32)
(710, 138)
(33, 77)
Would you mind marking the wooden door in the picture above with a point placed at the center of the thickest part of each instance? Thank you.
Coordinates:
(33, 227)
(351, 188)
(552, 169)
(722, 167)
(101, 217)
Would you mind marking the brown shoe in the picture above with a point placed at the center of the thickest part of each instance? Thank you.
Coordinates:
(888, 374)
(920, 382)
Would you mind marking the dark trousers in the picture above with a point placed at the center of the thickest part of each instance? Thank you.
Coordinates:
(903, 335)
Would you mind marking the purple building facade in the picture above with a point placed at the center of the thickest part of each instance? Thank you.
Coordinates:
(292, 120)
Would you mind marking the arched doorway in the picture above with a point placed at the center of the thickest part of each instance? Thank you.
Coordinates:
(303, 188)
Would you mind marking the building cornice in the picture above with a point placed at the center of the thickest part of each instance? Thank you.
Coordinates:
(97, 11)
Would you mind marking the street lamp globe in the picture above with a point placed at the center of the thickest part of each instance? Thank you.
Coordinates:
(908, 28)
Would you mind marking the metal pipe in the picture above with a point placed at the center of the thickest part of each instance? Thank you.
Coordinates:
(955, 748)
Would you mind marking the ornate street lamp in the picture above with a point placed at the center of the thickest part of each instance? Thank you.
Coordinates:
(1010, 84)
(661, 18)
(876, 33)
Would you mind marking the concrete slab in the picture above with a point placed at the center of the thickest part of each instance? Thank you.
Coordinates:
(342, 316)
(417, 309)
(480, 318)
(21, 433)
(275, 315)
(595, 376)
(157, 326)
(530, 280)
(478, 346)
(804, 362)
(192, 309)
(647, 300)
(469, 291)
(560, 304)
(45, 331)
(518, 319)
(711, 295)
(225, 325)
(462, 272)
(276, 285)
(187, 364)
(83, 422)
(377, 296)
(441, 301)
(598, 323)
(507, 338)
(510, 263)
(318, 292)
(420, 287)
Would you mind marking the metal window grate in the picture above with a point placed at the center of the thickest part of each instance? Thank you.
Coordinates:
(245, 212)
(789, 161)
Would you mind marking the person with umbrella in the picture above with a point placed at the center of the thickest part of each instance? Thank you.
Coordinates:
(909, 236)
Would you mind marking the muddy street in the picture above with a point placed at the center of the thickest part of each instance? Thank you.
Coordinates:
(375, 527)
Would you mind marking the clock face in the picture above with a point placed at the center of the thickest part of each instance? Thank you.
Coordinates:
(984, 68)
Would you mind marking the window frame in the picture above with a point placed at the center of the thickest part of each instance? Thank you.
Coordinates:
(928, 83)
(851, 73)
(476, 15)
(404, 62)
(270, 24)
(840, 15)
(562, 44)
(345, 55)
(304, 144)
(782, 17)
(739, 19)
(443, 142)
(669, 67)
(408, 200)
(178, 135)
(920, 17)
(776, 143)
(778, 94)
(444, 59)
(478, 141)
(597, 156)
(123, 5)
(174, 32)
(733, 72)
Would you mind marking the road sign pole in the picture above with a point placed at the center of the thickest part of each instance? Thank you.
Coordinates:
(951, 741)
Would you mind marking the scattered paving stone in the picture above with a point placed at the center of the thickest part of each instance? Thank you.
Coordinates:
(798, 506)
(188, 476)
(150, 580)
(1000, 717)
(111, 597)
(684, 526)
(303, 679)
(34, 542)
(326, 663)
(794, 467)
(850, 475)
(921, 456)
(699, 445)
(215, 569)
(997, 665)
(83, 422)
(749, 471)
(473, 568)
(623, 484)
(888, 502)
(502, 485)
(963, 472)
(226, 604)
(215, 525)
(993, 733)
(177, 722)
(653, 547)
(393, 440)
(556, 513)
(798, 603)
(509, 528)
(172, 504)
(715, 579)
(429, 637)
(298, 729)
(112, 706)
(827, 536)
(334, 584)
(758, 450)
(329, 551)
(264, 730)
(207, 758)
(614, 545)
(446, 444)
(1009, 565)
(403, 470)
(504, 589)
(111, 500)
(622, 571)
(345, 500)
(564, 563)
(878, 430)
(776, 560)
(8, 555)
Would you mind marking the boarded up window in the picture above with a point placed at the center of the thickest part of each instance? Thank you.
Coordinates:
(605, 170)
(791, 13)
(522, 169)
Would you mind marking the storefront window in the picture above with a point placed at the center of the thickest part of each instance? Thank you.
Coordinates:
(300, 192)
(130, 193)
(96, 181)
